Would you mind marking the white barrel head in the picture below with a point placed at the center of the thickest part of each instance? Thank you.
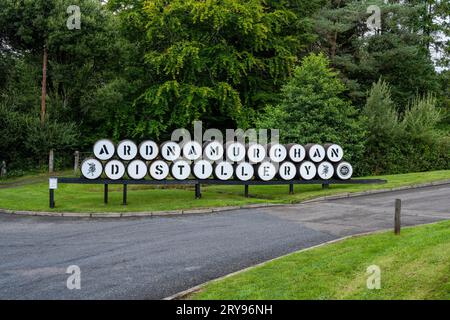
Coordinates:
(335, 153)
(256, 153)
(104, 149)
(137, 169)
(91, 169)
(213, 151)
(170, 151)
(266, 171)
(307, 170)
(192, 150)
(159, 170)
(316, 152)
(287, 171)
(244, 171)
(344, 170)
(202, 169)
(148, 150)
(296, 152)
(325, 170)
(127, 150)
(277, 152)
(114, 169)
(235, 152)
(223, 170)
(180, 170)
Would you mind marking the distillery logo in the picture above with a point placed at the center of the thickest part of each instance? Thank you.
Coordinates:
(242, 155)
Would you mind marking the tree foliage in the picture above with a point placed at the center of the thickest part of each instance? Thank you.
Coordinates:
(314, 109)
(218, 61)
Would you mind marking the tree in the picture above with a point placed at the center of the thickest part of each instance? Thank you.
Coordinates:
(85, 91)
(217, 61)
(382, 126)
(314, 109)
(396, 51)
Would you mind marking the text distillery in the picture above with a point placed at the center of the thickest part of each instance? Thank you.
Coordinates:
(214, 159)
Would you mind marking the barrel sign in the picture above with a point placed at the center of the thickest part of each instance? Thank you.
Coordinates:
(214, 160)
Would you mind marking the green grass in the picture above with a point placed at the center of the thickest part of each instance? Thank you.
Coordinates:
(89, 198)
(414, 265)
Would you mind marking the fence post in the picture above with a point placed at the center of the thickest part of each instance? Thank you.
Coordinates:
(51, 161)
(77, 161)
(398, 209)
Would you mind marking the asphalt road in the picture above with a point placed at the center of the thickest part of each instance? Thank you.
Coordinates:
(151, 258)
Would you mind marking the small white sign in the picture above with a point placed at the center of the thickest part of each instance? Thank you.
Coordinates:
(53, 183)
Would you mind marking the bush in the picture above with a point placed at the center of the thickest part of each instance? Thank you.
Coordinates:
(410, 144)
(26, 142)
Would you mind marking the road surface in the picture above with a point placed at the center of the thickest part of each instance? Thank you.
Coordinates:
(152, 258)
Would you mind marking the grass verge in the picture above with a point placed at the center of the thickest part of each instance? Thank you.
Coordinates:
(414, 265)
(89, 198)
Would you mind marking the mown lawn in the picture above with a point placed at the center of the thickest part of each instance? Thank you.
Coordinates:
(414, 265)
(89, 198)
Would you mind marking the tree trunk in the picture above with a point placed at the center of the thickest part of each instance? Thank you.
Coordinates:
(44, 86)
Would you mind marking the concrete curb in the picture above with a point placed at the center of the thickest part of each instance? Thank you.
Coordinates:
(213, 210)
(185, 293)
(368, 192)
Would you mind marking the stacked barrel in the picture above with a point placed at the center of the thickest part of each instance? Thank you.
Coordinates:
(232, 160)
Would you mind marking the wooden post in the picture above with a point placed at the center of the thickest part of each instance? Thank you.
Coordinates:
(291, 188)
(51, 161)
(52, 198)
(398, 209)
(246, 190)
(105, 194)
(76, 162)
(124, 195)
(198, 193)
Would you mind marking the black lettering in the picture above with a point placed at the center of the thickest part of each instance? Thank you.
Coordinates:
(104, 150)
(127, 150)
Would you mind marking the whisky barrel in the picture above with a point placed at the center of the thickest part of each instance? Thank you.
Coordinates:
(159, 170)
(307, 170)
(213, 150)
(343, 170)
(244, 171)
(148, 150)
(127, 150)
(334, 152)
(265, 171)
(202, 169)
(170, 151)
(104, 149)
(223, 170)
(91, 169)
(296, 152)
(180, 170)
(137, 169)
(315, 152)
